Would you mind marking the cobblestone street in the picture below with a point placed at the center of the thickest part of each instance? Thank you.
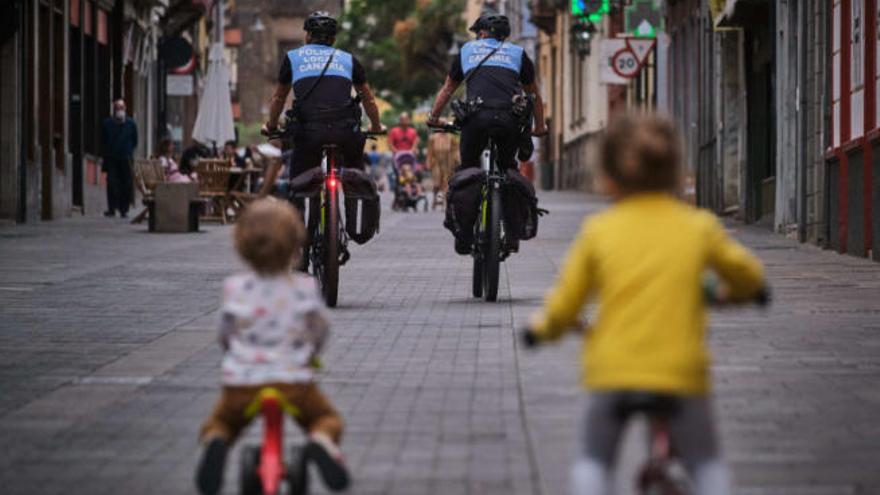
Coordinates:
(108, 364)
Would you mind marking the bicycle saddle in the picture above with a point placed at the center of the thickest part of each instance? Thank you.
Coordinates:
(270, 394)
(650, 403)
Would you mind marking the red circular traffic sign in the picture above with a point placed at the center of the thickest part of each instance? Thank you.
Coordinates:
(625, 63)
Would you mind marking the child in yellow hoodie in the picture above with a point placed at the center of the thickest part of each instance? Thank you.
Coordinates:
(643, 261)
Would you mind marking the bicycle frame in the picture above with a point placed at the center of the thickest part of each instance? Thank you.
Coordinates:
(331, 184)
(270, 403)
(494, 179)
(271, 468)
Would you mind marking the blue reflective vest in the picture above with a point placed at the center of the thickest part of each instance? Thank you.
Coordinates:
(309, 61)
(509, 56)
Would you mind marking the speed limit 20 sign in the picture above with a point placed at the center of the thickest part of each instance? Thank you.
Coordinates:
(630, 55)
(625, 64)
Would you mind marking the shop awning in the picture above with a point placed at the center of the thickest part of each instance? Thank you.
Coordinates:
(741, 13)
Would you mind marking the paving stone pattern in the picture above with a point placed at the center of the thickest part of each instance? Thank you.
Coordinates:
(108, 364)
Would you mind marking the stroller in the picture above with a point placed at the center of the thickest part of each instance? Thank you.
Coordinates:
(406, 184)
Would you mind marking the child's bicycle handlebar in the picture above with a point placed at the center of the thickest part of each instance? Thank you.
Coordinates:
(762, 299)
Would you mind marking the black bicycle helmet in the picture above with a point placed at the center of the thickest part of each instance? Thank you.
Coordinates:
(496, 25)
(320, 23)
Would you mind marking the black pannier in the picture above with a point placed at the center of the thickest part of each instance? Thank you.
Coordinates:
(305, 193)
(361, 205)
(463, 202)
(520, 207)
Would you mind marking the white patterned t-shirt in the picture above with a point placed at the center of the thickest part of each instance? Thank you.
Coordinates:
(271, 328)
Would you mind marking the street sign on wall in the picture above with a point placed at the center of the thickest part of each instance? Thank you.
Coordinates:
(608, 49)
(179, 85)
(623, 58)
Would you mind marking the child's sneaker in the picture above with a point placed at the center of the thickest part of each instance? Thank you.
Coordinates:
(209, 476)
(328, 458)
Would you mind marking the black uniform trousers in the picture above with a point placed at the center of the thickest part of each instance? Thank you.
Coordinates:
(310, 138)
(501, 126)
(120, 185)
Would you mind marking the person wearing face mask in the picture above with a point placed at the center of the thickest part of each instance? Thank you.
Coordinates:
(119, 138)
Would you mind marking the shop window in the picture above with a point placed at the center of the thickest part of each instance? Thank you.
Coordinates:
(836, 67)
(857, 69)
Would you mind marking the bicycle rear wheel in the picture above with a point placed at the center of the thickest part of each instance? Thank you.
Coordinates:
(477, 282)
(330, 282)
(492, 245)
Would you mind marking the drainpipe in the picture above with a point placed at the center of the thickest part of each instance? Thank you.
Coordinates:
(24, 135)
(805, 155)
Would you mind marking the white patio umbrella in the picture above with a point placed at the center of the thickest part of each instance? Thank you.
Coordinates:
(214, 124)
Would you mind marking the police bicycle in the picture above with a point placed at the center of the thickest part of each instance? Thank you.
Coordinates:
(489, 248)
(328, 242)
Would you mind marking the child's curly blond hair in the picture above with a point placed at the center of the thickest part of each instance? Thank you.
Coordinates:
(642, 153)
(269, 236)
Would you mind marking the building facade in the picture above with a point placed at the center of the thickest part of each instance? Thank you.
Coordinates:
(259, 34)
(63, 63)
(578, 103)
(779, 112)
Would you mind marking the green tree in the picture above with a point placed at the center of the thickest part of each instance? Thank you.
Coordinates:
(403, 44)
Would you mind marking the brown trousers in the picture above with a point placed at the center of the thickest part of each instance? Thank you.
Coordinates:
(316, 414)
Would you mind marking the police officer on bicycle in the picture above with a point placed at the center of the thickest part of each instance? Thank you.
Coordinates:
(323, 110)
(502, 72)
(503, 98)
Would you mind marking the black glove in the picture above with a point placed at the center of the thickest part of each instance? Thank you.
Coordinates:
(764, 297)
(528, 338)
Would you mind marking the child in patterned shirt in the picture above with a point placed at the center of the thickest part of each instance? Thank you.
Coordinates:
(273, 325)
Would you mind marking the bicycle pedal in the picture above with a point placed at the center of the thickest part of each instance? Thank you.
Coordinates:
(344, 256)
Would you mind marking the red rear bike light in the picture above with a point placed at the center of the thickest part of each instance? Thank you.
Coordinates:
(332, 183)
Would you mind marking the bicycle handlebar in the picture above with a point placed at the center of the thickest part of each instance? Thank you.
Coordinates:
(762, 299)
(282, 133)
(444, 127)
(372, 135)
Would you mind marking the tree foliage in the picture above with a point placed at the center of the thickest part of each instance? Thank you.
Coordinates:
(403, 44)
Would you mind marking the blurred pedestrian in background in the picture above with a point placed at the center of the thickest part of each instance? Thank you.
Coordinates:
(191, 155)
(119, 138)
(403, 141)
(374, 157)
(166, 157)
(230, 152)
(442, 158)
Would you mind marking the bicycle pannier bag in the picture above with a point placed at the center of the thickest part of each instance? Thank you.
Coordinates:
(361, 205)
(305, 194)
(463, 201)
(520, 207)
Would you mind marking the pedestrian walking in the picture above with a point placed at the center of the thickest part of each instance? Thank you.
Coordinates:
(119, 138)
(442, 158)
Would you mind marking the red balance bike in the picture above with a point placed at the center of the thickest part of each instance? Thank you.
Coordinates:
(263, 468)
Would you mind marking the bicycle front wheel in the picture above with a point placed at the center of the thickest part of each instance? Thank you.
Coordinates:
(330, 282)
(492, 246)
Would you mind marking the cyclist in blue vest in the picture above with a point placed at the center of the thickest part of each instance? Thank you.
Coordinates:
(323, 106)
(506, 72)
(498, 76)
